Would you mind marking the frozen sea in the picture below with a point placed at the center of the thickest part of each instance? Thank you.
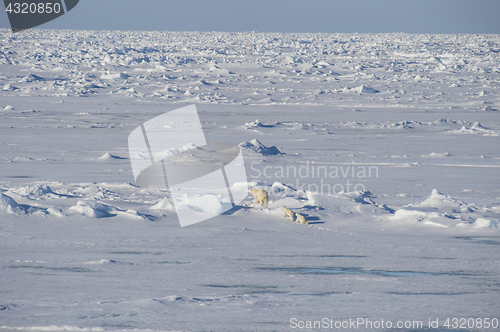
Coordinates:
(388, 145)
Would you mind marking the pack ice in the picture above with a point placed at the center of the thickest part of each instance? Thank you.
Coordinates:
(387, 144)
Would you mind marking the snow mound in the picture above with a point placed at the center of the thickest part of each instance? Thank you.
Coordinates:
(93, 209)
(173, 151)
(118, 76)
(322, 64)
(481, 223)
(281, 188)
(333, 203)
(9, 205)
(257, 123)
(164, 204)
(32, 78)
(361, 89)
(449, 122)
(9, 87)
(443, 211)
(364, 89)
(476, 128)
(55, 212)
(407, 124)
(109, 156)
(436, 155)
(90, 190)
(260, 148)
(490, 109)
(447, 203)
(8, 108)
(347, 203)
(209, 204)
(35, 190)
(427, 218)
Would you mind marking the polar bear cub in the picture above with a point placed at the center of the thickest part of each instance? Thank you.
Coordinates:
(260, 196)
(301, 219)
(288, 213)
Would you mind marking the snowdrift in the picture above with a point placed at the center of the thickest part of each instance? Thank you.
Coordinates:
(257, 147)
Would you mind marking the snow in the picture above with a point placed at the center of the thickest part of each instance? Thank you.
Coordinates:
(164, 203)
(173, 151)
(35, 190)
(109, 76)
(31, 78)
(92, 209)
(440, 201)
(361, 89)
(9, 87)
(257, 147)
(109, 156)
(386, 143)
(476, 128)
(210, 204)
(10, 206)
(485, 223)
(7, 204)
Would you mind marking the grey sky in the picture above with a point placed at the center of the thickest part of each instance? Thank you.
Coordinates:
(373, 16)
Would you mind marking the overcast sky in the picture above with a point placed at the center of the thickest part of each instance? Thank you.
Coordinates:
(373, 16)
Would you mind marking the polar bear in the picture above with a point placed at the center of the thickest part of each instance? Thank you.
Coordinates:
(288, 213)
(260, 196)
(301, 219)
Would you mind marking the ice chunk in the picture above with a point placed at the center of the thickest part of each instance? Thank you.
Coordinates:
(260, 148)
(117, 76)
(436, 155)
(279, 187)
(480, 223)
(109, 156)
(9, 87)
(347, 203)
(257, 123)
(32, 78)
(364, 89)
(485, 223)
(445, 202)
(209, 204)
(164, 204)
(173, 151)
(36, 190)
(93, 209)
(9, 205)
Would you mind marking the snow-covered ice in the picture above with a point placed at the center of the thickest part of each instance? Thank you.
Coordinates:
(386, 143)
